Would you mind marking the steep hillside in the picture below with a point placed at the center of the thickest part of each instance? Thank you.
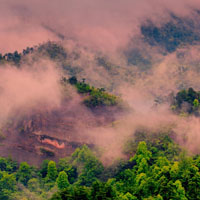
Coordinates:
(54, 134)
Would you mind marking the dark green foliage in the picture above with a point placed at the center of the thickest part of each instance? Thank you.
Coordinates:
(13, 58)
(101, 191)
(51, 50)
(8, 165)
(65, 165)
(170, 35)
(187, 101)
(28, 50)
(72, 193)
(73, 80)
(187, 96)
(44, 168)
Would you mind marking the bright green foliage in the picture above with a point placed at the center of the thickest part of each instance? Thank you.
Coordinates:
(62, 180)
(179, 191)
(82, 87)
(95, 96)
(127, 196)
(100, 98)
(7, 185)
(148, 175)
(89, 167)
(52, 171)
(142, 155)
(158, 197)
(196, 103)
(24, 173)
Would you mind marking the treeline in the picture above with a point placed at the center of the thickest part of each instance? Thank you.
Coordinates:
(157, 169)
(11, 57)
(51, 50)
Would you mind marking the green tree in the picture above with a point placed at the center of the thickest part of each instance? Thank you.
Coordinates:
(142, 152)
(52, 171)
(62, 180)
(88, 166)
(196, 104)
(7, 185)
(126, 196)
(179, 191)
(24, 173)
(101, 191)
(44, 168)
(71, 171)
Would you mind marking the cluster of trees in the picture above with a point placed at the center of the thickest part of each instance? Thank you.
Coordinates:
(94, 96)
(11, 57)
(52, 50)
(157, 169)
(22, 180)
(172, 34)
(187, 100)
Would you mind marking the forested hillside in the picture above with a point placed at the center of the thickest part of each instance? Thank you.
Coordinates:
(99, 100)
(156, 169)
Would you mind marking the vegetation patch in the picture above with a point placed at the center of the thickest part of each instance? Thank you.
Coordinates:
(186, 101)
(94, 97)
(172, 34)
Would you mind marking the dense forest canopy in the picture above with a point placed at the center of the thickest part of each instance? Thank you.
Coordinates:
(156, 169)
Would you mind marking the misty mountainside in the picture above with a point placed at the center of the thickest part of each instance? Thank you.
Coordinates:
(41, 133)
(172, 34)
(94, 122)
(173, 42)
